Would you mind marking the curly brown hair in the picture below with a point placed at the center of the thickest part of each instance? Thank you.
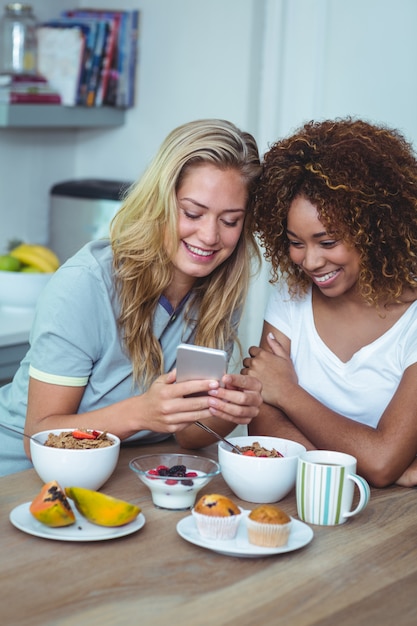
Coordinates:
(362, 178)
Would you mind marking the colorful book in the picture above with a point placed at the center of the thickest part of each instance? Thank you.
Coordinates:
(60, 58)
(133, 58)
(28, 89)
(97, 63)
(90, 29)
(87, 64)
(128, 41)
(110, 59)
(121, 61)
(107, 87)
(34, 98)
(117, 83)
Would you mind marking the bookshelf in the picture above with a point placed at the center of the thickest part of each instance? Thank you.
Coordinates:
(58, 116)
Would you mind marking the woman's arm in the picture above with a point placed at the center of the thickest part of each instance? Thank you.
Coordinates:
(163, 408)
(271, 422)
(383, 453)
(409, 477)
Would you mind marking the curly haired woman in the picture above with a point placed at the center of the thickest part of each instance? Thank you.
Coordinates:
(336, 210)
(176, 269)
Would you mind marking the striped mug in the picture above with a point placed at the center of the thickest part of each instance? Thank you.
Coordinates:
(325, 487)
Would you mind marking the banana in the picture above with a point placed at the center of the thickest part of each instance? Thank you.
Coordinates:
(101, 509)
(48, 255)
(39, 257)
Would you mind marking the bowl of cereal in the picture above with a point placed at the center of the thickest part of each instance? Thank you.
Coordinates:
(75, 458)
(266, 470)
(174, 479)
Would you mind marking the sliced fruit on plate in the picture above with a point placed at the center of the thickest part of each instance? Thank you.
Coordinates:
(51, 506)
(101, 509)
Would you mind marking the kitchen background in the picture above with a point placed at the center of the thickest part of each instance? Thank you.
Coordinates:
(267, 65)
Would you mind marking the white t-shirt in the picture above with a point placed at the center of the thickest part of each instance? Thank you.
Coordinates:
(359, 389)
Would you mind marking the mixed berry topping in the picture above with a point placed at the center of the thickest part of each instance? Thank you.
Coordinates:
(176, 471)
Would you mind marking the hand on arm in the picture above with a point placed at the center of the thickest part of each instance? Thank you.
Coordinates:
(271, 421)
(272, 365)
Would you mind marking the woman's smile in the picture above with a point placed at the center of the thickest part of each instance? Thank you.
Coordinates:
(211, 214)
(331, 264)
(199, 253)
(324, 280)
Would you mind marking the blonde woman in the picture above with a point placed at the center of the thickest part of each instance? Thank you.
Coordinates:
(176, 268)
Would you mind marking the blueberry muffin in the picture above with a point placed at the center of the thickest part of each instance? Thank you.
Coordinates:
(216, 517)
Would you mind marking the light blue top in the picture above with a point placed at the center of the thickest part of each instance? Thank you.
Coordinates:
(75, 341)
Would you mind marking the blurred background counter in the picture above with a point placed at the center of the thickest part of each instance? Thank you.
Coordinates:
(15, 326)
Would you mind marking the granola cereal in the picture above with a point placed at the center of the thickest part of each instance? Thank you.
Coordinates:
(67, 441)
(257, 450)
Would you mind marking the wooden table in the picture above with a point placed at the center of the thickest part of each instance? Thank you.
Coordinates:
(362, 572)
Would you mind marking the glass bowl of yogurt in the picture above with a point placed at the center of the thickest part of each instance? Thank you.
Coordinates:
(174, 479)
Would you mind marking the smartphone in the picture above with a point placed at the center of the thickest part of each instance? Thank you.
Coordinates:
(197, 363)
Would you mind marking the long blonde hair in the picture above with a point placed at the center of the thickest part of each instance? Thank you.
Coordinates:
(148, 217)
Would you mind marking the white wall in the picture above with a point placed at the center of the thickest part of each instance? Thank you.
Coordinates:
(195, 60)
(267, 65)
(349, 58)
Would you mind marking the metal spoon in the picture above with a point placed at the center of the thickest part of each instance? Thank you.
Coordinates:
(212, 432)
(203, 426)
(19, 432)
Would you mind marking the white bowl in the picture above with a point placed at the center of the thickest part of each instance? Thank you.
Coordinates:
(173, 492)
(260, 479)
(73, 468)
(21, 289)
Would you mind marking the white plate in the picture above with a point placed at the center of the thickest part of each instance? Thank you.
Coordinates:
(82, 530)
(300, 535)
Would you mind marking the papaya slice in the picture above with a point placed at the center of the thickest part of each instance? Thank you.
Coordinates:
(51, 506)
(101, 509)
